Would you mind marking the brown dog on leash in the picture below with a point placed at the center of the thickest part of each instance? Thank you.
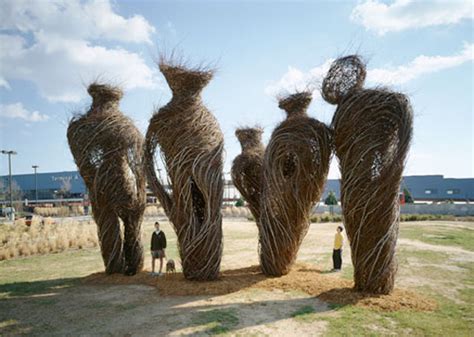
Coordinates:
(170, 266)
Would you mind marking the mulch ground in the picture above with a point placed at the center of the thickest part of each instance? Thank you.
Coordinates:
(306, 278)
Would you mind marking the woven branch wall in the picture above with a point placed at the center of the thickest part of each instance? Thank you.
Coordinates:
(108, 150)
(296, 165)
(372, 134)
(247, 168)
(191, 145)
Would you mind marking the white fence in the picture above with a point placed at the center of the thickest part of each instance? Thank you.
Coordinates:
(442, 209)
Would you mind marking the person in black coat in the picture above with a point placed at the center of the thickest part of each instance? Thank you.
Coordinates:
(158, 246)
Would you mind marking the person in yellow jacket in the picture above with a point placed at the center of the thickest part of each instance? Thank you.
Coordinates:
(337, 251)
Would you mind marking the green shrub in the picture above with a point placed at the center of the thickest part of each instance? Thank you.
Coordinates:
(240, 202)
(427, 217)
(320, 218)
(331, 199)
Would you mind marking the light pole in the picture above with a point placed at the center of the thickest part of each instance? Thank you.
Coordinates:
(10, 153)
(159, 179)
(36, 184)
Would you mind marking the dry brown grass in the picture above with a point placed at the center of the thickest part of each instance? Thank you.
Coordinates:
(62, 211)
(153, 210)
(227, 211)
(235, 212)
(302, 277)
(43, 237)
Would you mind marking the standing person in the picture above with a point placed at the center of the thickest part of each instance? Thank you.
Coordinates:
(158, 246)
(337, 251)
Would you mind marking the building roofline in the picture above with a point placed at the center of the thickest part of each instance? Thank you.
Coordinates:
(32, 173)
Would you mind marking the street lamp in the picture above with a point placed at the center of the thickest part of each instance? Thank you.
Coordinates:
(36, 184)
(10, 153)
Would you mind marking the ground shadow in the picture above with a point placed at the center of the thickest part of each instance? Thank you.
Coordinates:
(72, 307)
(19, 289)
(142, 305)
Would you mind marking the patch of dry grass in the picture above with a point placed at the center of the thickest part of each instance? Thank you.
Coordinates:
(227, 211)
(61, 211)
(235, 212)
(153, 211)
(43, 237)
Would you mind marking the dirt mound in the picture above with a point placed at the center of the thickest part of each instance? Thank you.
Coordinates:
(306, 278)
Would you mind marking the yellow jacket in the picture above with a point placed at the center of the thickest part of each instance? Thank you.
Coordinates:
(338, 241)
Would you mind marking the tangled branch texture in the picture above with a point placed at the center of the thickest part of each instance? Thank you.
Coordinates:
(247, 167)
(108, 150)
(191, 145)
(372, 134)
(296, 164)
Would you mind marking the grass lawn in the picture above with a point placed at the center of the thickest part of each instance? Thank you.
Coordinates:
(45, 295)
(441, 235)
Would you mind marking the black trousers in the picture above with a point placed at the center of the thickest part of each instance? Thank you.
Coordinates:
(337, 258)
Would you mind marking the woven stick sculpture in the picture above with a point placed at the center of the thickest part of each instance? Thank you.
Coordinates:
(247, 168)
(296, 165)
(372, 134)
(191, 144)
(108, 150)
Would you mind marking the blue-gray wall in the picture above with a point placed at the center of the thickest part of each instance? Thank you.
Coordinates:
(49, 185)
(431, 187)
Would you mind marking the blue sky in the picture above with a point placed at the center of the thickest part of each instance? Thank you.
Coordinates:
(49, 51)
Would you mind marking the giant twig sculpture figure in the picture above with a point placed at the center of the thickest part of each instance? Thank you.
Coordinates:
(191, 144)
(108, 150)
(372, 133)
(247, 168)
(296, 165)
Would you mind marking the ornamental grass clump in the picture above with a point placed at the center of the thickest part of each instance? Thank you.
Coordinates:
(108, 150)
(295, 167)
(20, 240)
(191, 145)
(372, 134)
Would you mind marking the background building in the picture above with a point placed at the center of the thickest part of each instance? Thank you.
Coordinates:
(57, 186)
(51, 186)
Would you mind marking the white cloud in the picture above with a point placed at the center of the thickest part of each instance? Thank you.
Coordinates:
(421, 65)
(295, 79)
(93, 19)
(404, 14)
(17, 110)
(57, 46)
(4, 83)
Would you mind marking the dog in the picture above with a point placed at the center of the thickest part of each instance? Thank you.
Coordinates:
(170, 266)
